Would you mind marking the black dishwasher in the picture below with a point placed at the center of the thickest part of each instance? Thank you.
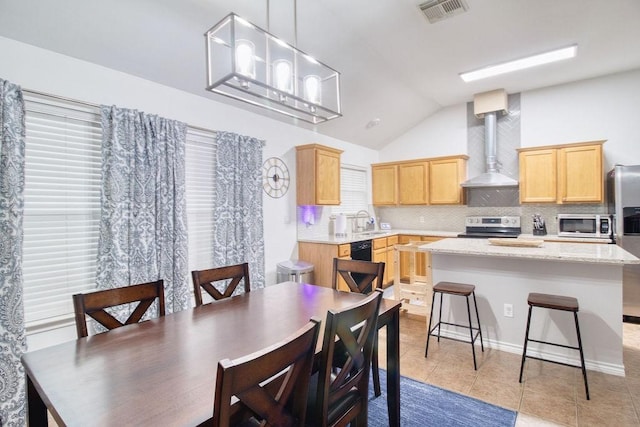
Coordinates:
(361, 251)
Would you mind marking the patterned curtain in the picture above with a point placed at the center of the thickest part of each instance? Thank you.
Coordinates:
(143, 231)
(238, 231)
(13, 341)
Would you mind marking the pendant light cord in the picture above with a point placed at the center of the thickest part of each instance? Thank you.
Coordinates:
(295, 21)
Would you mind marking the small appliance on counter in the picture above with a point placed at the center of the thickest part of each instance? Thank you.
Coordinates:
(539, 226)
(584, 225)
(341, 225)
(491, 226)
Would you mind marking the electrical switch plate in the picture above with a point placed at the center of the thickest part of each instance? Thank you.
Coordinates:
(508, 310)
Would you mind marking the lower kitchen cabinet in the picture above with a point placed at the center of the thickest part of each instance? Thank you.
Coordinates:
(321, 255)
(423, 259)
(383, 252)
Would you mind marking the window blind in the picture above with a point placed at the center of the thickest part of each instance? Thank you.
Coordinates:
(62, 205)
(353, 190)
(200, 153)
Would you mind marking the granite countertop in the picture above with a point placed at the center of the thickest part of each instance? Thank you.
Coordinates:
(556, 238)
(599, 253)
(358, 237)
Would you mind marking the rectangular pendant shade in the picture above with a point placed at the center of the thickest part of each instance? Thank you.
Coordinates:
(247, 63)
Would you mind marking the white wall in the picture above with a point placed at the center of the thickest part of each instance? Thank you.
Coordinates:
(40, 70)
(606, 108)
(442, 134)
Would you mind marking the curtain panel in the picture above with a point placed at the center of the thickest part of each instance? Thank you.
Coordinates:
(238, 229)
(12, 334)
(143, 229)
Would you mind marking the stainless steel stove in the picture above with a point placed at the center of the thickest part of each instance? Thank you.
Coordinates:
(491, 226)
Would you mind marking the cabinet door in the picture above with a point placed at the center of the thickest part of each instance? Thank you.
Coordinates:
(327, 178)
(380, 255)
(413, 183)
(404, 258)
(427, 259)
(384, 184)
(445, 177)
(581, 174)
(538, 176)
(390, 267)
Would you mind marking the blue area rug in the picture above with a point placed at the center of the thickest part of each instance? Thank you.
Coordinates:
(427, 405)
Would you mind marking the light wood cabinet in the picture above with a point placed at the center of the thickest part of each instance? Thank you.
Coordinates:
(571, 173)
(317, 175)
(390, 267)
(445, 176)
(419, 182)
(384, 183)
(422, 259)
(321, 256)
(383, 252)
(413, 183)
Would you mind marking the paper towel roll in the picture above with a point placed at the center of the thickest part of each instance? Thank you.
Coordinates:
(341, 225)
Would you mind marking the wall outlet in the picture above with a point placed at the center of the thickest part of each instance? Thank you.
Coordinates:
(508, 310)
(422, 219)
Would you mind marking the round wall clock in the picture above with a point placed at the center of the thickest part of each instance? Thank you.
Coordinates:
(275, 177)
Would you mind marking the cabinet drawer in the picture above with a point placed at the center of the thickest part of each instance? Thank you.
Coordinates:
(393, 240)
(379, 243)
(344, 250)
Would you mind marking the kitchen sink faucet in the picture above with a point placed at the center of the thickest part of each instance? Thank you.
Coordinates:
(358, 227)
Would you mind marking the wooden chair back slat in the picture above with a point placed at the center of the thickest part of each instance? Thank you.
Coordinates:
(205, 279)
(343, 378)
(271, 385)
(367, 273)
(93, 304)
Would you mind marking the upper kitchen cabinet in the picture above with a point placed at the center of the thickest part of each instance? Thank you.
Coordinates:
(413, 183)
(445, 176)
(571, 173)
(384, 183)
(317, 175)
(419, 182)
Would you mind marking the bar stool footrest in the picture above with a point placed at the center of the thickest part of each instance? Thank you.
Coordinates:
(473, 328)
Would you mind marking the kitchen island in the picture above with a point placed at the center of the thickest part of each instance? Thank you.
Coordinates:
(505, 275)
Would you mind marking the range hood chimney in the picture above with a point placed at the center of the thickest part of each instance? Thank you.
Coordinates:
(488, 105)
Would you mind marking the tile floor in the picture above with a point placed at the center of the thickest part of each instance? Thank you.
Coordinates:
(550, 395)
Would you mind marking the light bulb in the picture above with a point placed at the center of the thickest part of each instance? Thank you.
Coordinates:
(283, 75)
(245, 59)
(312, 89)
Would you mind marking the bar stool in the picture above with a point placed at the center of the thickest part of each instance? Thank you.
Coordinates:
(459, 289)
(555, 302)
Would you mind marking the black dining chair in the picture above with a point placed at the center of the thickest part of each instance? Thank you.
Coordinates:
(268, 387)
(339, 393)
(232, 274)
(93, 304)
(362, 277)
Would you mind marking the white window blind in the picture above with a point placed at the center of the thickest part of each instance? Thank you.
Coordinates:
(200, 156)
(62, 205)
(353, 190)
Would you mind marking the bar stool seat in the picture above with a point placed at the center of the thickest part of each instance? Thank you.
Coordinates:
(555, 302)
(456, 289)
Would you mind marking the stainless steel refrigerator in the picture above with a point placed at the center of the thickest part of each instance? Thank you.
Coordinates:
(623, 193)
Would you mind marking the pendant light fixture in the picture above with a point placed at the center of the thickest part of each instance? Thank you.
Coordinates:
(247, 63)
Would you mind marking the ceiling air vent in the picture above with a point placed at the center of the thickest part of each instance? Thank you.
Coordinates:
(437, 10)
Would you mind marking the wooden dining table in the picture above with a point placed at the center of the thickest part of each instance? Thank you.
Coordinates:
(162, 372)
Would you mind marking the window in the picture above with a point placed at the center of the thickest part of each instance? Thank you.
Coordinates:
(62, 205)
(353, 190)
(200, 156)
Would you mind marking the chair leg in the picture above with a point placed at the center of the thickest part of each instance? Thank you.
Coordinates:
(526, 340)
(584, 369)
(375, 369)
(475, 303)
(433, 300)
(473, 347)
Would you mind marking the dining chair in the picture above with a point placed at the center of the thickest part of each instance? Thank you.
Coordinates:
(360, 277)
(339, 393)
(204, 279)
(93, 304)
(268, 387)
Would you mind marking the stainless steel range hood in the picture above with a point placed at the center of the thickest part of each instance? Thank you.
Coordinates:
(487, 105)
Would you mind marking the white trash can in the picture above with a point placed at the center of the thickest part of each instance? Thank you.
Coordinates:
(295, 271)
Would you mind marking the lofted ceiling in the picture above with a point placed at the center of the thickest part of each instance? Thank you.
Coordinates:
(395, 65)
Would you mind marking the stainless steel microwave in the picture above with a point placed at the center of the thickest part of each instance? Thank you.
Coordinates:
(584, 225)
